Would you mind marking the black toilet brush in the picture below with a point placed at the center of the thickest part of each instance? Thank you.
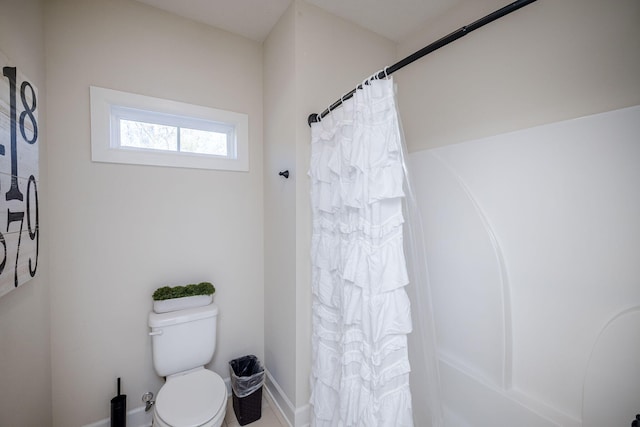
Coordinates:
(119, 409)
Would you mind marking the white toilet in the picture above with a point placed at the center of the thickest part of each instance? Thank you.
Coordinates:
(182, 342)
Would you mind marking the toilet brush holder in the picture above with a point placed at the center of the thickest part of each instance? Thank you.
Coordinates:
(119, 409)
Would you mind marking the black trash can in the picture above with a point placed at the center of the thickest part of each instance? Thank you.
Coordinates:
(247, 379)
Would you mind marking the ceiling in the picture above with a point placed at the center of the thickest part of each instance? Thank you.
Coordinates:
(394, 19)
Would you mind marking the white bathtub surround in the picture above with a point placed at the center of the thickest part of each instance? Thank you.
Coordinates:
(533, 241)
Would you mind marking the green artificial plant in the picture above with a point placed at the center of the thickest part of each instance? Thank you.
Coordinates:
(170, 292)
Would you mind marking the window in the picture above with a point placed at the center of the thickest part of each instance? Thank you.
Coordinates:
(136, 129)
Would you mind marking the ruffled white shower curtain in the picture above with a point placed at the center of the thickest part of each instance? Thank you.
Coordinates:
(361, 312)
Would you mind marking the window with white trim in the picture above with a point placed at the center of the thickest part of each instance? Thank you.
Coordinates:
(137, 129)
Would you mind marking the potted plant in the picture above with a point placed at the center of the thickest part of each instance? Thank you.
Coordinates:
(171, 298)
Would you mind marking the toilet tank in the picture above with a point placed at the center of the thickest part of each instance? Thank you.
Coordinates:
(183, 339)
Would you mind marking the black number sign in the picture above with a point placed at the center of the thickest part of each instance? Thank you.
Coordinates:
(19, 212)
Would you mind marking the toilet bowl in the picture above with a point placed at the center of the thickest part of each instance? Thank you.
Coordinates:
(182, 343)
(194, 399)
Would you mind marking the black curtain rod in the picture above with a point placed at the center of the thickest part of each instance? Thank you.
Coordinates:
(460, 32)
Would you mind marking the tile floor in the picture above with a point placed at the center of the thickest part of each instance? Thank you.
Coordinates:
(270, 415)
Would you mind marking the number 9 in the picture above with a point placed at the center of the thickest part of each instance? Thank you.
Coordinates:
(34, 234)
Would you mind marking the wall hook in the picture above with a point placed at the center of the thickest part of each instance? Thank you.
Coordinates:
(284, 173)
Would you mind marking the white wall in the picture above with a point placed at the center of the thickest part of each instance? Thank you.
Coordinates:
(25, 388)
(311, 58)
(120, 231)
(547, 62)
(533, 242)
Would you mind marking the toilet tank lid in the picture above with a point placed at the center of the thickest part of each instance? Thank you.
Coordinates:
(159, 320)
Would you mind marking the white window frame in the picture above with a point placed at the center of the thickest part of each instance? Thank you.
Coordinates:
(108, 106)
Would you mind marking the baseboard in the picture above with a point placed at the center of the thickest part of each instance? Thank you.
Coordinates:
(294, 417)
(282, 407)
(135, 418)
(303, 416)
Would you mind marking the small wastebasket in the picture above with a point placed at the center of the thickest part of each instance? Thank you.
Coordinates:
(247, 379)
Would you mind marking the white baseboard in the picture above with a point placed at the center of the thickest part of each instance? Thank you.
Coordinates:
(135, 418)
(294, 417)
(282, 407)
(303, 416)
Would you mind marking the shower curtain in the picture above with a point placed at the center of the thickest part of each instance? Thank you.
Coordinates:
(361, 312)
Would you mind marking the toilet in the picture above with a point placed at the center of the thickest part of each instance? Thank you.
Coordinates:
(182, 343)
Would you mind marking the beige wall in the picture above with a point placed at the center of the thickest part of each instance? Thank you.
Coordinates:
(25, 388)
(120, 231)
(309, 62)
(550, 61)
(280, 203)
(332, 57)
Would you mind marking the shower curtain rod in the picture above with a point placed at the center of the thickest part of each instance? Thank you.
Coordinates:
(460, 32)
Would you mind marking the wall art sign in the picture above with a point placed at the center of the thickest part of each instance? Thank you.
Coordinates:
(19, 178)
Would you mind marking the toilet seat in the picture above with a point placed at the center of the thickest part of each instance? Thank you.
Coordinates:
(195, 399)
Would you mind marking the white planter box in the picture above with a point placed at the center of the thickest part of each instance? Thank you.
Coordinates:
(174, 304)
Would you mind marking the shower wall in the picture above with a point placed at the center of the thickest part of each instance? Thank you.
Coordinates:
(531, 240)
(533, 243)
